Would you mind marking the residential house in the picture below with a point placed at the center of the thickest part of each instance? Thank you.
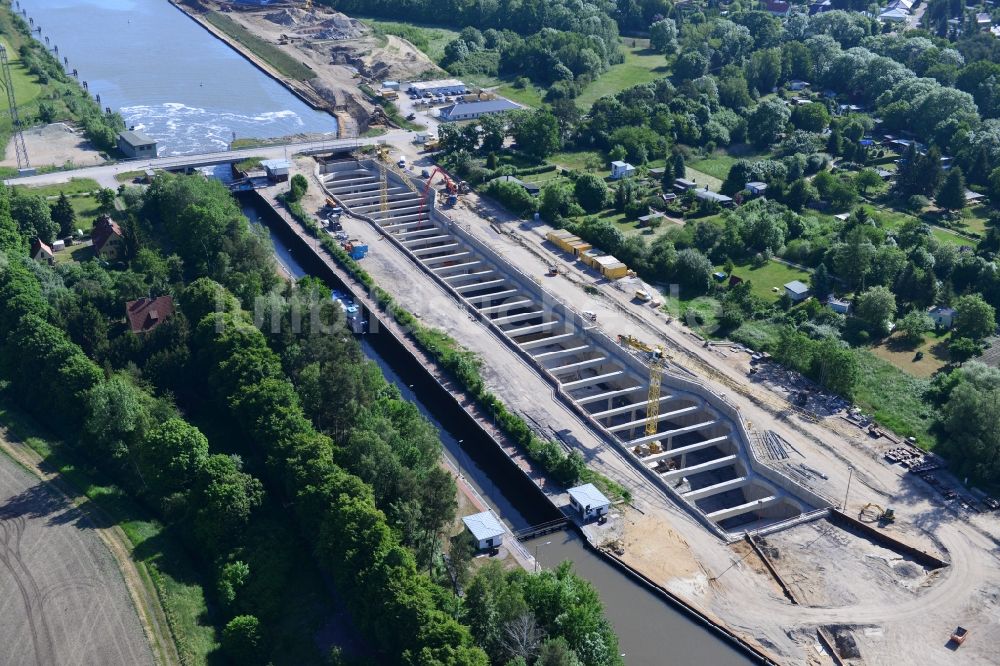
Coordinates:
(838, 305)
(486, 530)
(683, 184)
(819, 7)
(756, 188)
(973, 197)
(109, 242)
(943, 316)
(797, 291)
(145, 314)
(897, 15)
(621, 170)
(644, 220)
(797, 85)
(589, 501)
(706, 194)
(41, 252)
(984, 20)
(532, 188)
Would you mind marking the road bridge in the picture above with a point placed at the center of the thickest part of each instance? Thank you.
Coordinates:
(105, 173)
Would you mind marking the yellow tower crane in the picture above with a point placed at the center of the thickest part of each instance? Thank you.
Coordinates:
(657, 359)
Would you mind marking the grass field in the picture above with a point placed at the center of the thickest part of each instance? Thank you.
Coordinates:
(641, 65)
(770, 275)
(904, 356)
(84, 204)
(430, 39)
(894, 398)
(163, 559)
(26, 88)
(268, 52)
(703, 179)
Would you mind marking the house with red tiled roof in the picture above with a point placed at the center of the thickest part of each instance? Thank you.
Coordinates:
(146, 314)
(41, 252)
(109, 241)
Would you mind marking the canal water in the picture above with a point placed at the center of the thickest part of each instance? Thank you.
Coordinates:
(168, 76)
(651, 631)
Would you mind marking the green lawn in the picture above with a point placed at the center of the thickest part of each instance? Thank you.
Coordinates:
(160, 557)
(584, 161)
(716, 165)
(641, 65)
(530, 95)
(894, 398)
(26, 88)
(77, 253)
(703, 179)
(74, 186)
(893, 219)
(769, 276)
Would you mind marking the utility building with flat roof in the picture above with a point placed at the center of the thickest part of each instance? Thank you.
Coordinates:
(136, 145)
(486, 529)
(589, 501)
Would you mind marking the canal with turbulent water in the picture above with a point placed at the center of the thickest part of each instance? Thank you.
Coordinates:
(172, 79)
(168, 76)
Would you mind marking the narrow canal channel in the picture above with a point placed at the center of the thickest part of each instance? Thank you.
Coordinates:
(651, 630)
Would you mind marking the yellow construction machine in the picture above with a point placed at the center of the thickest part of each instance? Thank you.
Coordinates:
(657, 359)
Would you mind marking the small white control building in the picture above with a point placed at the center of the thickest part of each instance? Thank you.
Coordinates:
(589, 501)
(486, 529)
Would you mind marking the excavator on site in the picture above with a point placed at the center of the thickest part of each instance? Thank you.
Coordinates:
(657, 359)
(871, 513)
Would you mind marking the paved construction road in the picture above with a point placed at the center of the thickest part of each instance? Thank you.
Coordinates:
(62, 598)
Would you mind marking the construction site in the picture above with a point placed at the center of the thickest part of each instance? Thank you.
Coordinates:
(339, 52)
(739, 505)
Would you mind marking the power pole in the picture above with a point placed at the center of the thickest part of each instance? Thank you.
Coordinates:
(15, 119)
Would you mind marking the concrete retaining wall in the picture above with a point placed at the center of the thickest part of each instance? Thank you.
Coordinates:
(805, 499)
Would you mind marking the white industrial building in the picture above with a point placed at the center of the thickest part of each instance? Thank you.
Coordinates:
(442, 86)
(486, 529)
(473, 110)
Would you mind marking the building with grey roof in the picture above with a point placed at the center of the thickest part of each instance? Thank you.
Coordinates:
(473, 110)
(136, 145)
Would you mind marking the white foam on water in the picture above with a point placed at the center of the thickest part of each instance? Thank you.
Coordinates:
(181, 129)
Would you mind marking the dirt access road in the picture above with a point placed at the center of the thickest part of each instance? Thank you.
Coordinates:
(68, 587)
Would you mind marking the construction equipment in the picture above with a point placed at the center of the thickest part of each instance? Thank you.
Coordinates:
(15, 119)
(643, 295)
(657, 359)
(872, 512)
(450, 186)
(553, 271)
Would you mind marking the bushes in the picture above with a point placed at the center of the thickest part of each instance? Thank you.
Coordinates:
(513, 196)
(349, 533)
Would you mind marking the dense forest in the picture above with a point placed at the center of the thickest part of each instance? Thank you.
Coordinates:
(869, 141)
(226, 430)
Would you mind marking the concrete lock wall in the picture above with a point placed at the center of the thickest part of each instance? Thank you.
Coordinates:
(731, 422)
